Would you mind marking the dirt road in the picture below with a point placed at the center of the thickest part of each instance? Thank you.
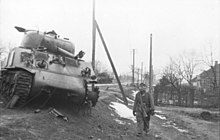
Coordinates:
(105, 123)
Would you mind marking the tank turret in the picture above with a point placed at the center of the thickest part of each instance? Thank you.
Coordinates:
(48, 41)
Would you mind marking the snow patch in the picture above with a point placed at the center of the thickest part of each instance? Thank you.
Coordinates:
(158, 111)
(181, 130)
(123, 111)
(160, 116)
(130, 100)
(134, 93)
(119, 121)
(172, 124)
(118, 99)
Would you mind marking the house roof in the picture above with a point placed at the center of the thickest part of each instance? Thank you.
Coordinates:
(208, 72)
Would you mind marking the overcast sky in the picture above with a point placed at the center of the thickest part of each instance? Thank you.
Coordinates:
(176, 25)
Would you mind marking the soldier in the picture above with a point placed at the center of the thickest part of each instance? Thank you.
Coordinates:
(143, 108)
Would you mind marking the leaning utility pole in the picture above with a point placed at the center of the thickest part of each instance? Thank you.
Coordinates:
(133, 66)
(111, 62)
(151, 73)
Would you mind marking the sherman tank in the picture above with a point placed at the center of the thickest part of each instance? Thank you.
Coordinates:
(46, 64)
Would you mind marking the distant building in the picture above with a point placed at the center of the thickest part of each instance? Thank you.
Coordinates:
(207, 86)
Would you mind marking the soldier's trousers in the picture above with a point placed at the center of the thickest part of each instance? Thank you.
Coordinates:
(143, 123)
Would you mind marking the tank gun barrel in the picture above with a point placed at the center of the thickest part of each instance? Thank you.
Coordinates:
(64, 52)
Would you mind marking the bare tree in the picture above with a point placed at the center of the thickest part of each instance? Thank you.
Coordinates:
(1, 51)
(212, 74)
(137, 73)
(161, 88)
(100, 67)
(208, 60)
(189, 63)
(173, 72)
(2, 56)
(5, 49)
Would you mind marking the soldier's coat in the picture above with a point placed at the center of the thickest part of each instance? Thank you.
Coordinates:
(147, 105)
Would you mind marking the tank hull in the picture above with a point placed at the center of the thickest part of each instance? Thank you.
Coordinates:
(31, 71)
(54, 83)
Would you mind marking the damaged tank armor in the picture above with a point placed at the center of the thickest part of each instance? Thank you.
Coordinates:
(46, 64)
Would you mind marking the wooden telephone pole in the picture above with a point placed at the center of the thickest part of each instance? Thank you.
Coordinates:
(93, 39)
(93, 36)
(151, 73)
(150, 66)
(141, 72)
(133, 66)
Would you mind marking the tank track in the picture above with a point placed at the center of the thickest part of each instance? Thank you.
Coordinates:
(15, 83)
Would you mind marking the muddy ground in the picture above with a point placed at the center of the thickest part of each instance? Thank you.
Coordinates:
(169, 123)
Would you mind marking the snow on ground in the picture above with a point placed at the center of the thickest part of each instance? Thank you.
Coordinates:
(158, 111)
(134, 93)
(123, 111)
(119, 121)
(129, 100)
(160, 116)
(118, 99)
(172, 124)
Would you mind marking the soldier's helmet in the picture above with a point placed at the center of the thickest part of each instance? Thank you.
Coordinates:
(142, 87)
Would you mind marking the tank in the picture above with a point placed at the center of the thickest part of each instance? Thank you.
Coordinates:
(46, 64)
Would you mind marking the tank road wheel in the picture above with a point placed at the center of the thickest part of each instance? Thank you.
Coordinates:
(16, 86)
